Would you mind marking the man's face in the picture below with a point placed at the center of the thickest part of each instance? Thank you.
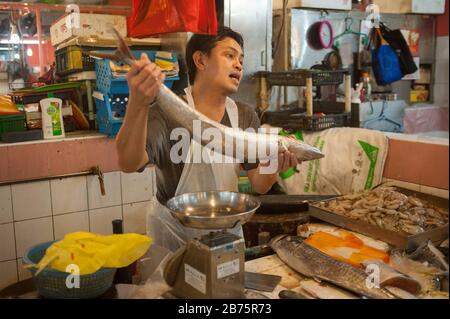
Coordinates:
(223, 66)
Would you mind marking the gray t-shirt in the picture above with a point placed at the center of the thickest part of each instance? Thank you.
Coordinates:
(159, 144)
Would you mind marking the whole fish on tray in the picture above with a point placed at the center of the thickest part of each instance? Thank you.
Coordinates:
(313, 263)
(391, 277)
(428, 253)
(429, 277)
(251, 145)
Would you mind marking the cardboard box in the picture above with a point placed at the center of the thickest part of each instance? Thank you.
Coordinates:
(428, 7)
(396, 6)
(418, 96)
(322, 4)
(86, 25)
(411, 6)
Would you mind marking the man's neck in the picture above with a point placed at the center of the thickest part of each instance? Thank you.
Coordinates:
(208, 101)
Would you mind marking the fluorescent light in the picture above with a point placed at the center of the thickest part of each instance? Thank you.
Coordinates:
(21, 42)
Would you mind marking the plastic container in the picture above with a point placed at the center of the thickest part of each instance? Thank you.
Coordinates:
(12, 123)
(30, 98)
(110, 111)
(21, 136)
(51, 283)
(298, 77)
(52, 119)
(73, 59)
(108, 84)
(332, 114)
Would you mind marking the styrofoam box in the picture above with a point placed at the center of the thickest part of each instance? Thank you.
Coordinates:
(319, 4)
(411, 6)
(88, 25)
(328, 4)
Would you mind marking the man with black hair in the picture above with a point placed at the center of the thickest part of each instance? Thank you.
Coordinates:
(215, 66)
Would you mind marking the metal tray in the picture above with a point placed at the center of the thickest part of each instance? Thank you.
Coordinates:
(280, 203)
(403, 241)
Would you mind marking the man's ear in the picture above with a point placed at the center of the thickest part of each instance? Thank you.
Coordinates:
(199, 59)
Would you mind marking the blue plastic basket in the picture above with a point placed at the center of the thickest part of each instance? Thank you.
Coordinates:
(107, 84)
(110, 111)
(51, 283)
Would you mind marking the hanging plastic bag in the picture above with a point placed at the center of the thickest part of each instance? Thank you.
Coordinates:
(152, 17)
(91, 252)
(398, 43)
(385, 63)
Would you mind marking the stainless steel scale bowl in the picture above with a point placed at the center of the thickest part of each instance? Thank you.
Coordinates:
(213, 210)
(211, 266)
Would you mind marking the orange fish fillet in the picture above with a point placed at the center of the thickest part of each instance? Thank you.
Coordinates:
(347, 248)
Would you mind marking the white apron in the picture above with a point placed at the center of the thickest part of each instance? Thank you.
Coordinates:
(166, 230)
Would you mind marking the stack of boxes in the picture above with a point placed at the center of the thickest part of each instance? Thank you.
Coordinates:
(74, 36)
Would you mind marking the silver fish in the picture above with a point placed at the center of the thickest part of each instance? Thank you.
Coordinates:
(428, 253)
(391, 277)
(242, 145)
(313, 263)
(429, 277)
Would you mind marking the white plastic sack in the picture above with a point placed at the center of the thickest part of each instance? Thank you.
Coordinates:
(354, 160)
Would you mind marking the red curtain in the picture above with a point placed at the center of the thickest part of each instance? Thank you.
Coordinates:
(153, 17)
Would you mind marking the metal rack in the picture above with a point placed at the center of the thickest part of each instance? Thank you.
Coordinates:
(308, 79)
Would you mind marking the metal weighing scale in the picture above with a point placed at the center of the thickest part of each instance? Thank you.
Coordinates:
(210, 267)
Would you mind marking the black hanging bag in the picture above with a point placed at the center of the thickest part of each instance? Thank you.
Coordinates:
(398, 43)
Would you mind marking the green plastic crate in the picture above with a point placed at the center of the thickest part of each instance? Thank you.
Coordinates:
(12, 123)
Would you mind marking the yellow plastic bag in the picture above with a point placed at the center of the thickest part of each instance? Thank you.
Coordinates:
(91, 252)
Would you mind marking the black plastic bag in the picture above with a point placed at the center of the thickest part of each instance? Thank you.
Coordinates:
(398, 43)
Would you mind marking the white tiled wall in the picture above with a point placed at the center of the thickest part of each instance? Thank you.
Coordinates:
(112, 197)
(31, 200)
(8, 273)
(31, 232)
(69, 223)
(32, 213)
(8, 249)
(5, 205)
(69, 195)
(100, 220)
(130, 194)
